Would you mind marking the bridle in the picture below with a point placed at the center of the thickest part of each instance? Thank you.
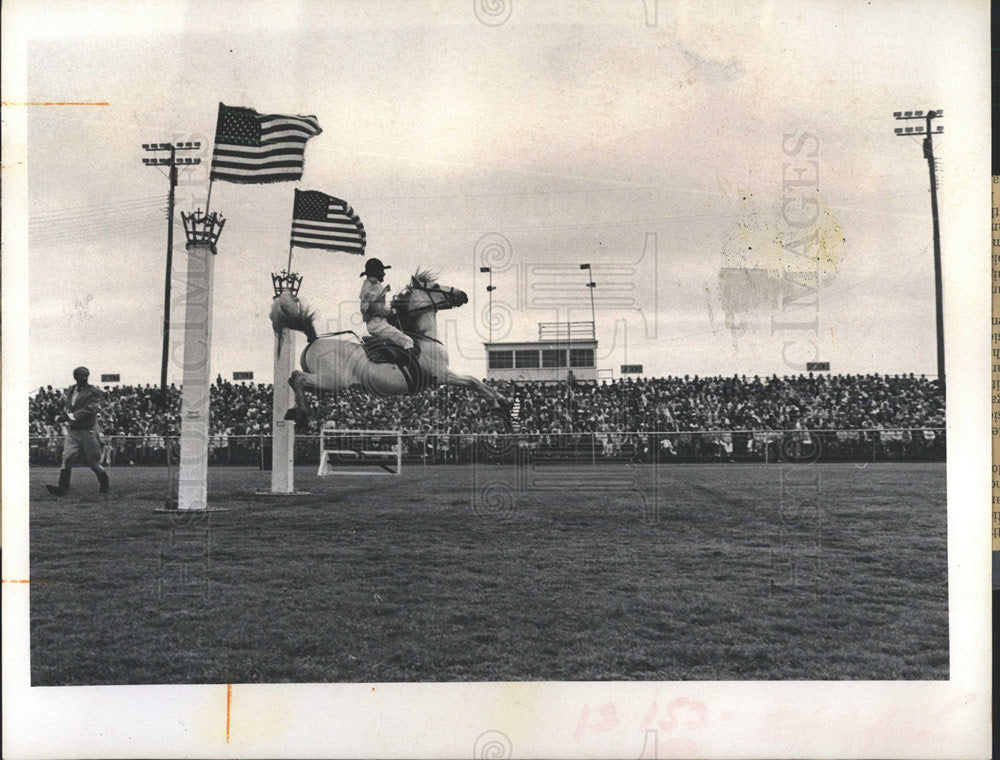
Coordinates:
(450, 301)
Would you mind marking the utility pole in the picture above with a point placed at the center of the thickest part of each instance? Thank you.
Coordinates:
(173, 162)
(927, 131)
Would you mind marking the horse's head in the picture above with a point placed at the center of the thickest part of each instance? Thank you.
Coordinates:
(424, 297)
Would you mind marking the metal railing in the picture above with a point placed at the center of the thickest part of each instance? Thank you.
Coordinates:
(429, 448)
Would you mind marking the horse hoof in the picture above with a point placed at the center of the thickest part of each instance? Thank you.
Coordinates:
(298, 416)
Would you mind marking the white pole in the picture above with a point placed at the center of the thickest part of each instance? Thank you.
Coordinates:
(283, 446)
(192, 487)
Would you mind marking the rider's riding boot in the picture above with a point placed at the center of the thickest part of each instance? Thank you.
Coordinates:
(63, 486)
(102, 478)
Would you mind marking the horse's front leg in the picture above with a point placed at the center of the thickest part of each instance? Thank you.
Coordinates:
(299, 412)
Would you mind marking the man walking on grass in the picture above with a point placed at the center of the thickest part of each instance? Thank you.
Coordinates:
(82, 437)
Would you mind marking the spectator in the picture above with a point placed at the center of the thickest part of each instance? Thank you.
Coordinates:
(553, 415)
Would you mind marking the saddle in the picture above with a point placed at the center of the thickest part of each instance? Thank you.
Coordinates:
(381, 351)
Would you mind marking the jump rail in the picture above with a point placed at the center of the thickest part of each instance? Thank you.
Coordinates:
(391, 460)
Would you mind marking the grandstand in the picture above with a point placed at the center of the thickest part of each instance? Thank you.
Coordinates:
(644, 419)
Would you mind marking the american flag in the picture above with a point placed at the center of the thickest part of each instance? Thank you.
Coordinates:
(322, 221)
(254, 148)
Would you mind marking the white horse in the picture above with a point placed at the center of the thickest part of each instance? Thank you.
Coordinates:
(333, 364)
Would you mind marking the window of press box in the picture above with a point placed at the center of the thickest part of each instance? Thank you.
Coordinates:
(553, 357)
(501, 359)
(526, 359)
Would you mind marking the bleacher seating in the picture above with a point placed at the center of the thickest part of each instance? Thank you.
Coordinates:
(817, 402)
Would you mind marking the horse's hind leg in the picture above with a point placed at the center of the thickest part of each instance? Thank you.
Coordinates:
(293, 412)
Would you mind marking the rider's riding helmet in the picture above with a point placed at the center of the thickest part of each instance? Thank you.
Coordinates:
(375, 268)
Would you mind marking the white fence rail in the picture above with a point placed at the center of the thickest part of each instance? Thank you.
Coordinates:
(427, 448)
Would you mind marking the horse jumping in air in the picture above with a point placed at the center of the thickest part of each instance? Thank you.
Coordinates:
(331, 363)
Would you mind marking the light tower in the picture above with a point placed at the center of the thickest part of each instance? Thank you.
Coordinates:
(489, 289)
(926, 131)
(625, 345)
(591, 284)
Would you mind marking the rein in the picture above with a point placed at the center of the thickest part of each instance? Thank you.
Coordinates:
(399, 301)
(418, 336)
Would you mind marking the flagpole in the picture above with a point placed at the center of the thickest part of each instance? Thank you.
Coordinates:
(295, 198)
(208, 201)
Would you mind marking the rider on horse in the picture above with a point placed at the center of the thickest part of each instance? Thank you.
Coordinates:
(332, 363)
(374, 310)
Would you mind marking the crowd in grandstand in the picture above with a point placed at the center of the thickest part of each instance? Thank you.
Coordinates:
(135, 420)
(816, 402)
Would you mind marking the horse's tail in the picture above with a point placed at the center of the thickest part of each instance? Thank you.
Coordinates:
(287, 311)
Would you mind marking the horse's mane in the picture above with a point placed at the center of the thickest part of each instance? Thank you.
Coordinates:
(423, 277)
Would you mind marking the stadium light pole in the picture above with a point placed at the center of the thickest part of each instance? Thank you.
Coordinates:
(927, 131)
(591, 285)
(625, 324)
(173, 162)
(489, 290)
(625, 346)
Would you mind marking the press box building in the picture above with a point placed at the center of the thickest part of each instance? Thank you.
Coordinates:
(562, 348)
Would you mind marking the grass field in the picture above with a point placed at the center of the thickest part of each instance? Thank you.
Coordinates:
(463, 573)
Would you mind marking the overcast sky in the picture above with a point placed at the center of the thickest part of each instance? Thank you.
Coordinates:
(649, 139)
